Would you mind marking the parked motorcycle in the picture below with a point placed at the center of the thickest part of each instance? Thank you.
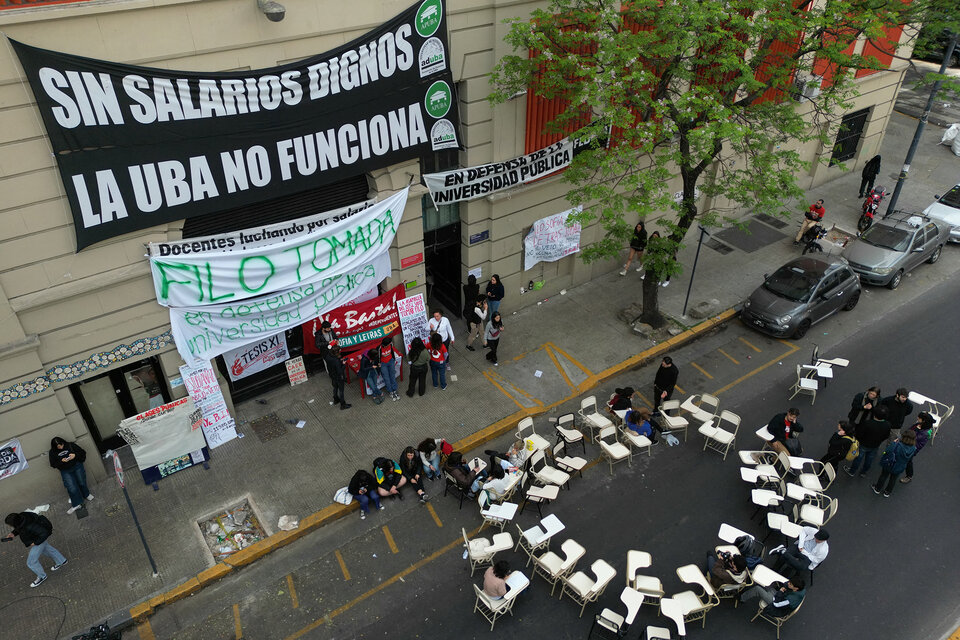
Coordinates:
(870, 206)
(811, 239)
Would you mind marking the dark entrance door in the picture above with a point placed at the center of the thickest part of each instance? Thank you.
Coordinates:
(442, 256)
(107, 399)
(848, 137)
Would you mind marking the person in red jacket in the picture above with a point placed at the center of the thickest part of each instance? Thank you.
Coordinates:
(811, 219)
(388, 363)
(438, 360)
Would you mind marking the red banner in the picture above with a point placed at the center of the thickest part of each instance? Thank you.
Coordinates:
(359, 325)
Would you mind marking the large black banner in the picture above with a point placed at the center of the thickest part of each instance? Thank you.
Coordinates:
(138, 146)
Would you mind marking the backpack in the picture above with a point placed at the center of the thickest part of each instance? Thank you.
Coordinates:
(750, 549)
(854, 449)
(888, 459)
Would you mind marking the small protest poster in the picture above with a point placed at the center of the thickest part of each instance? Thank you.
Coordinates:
(550, 239)
(218, 425)
(12, 460)
(296, 371)
(413, 319)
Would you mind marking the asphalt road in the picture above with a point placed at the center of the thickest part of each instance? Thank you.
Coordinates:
(889, 574)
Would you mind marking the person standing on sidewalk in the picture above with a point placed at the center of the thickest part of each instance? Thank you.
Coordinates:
(839, 445)
(419, 359)
(471, 291)
(870, 435)
(491, 337)
(495, 293)
(921, 429)
(637, 244)
(811, 219)
(894, 461)
(440, 325)
(338, 374)
(388, 367)
(476, 320)
(34, 530)
(862, 405)
(438, 358)
(370, 373)
(664, 382)
(67, 458)
(870, 172)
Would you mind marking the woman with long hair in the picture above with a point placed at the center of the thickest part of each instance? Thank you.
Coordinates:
(67, 458)
(637, 244)
(419, 359)
(413, 471)
(495, 293)
(438, 361)
(491, 337)
(429, 450)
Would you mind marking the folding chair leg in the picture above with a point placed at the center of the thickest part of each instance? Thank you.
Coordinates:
(583, 445)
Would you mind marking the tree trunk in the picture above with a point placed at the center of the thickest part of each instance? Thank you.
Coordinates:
(651, 305)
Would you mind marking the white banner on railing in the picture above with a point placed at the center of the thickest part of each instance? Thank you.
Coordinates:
(256, 356)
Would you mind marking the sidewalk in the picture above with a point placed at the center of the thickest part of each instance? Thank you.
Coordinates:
(569, 339)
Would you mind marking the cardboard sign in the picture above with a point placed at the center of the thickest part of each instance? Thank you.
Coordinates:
(413, 320)
(296, 372)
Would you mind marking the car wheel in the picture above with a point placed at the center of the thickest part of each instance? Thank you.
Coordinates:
(895, 281)
(936, 255)
(802, 329)
(852, 302)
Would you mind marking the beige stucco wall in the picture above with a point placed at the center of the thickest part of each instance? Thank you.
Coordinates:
(58, 307)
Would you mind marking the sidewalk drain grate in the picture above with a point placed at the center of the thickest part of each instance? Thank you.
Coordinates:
(268, 427)
(230, 530)
(717, 246)
(770, 220)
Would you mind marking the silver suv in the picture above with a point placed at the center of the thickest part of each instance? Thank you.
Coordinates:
(894, 245)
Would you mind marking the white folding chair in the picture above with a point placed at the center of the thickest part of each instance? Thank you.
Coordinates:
(632, 439)
(818, 510)
(592, 418)
(497, 515)
(764, 434)
(613, 450)
(568, 432)
(613, 621)
(544, 472)
(583, 589)
(718, 438)
(806, 382)
(769, 614)
(552, 567)
(569, 464)
(649, 586)
(820, 478)
(525, 431)
(702, 406)
(695, 605)
(536, 494)
(670, 420)
(538, 536)
(492, 609)
(671, 609)
(481, 551)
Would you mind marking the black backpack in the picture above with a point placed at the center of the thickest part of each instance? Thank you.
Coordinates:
(750, 549)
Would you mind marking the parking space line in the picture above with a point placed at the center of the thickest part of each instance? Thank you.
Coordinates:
(744, 341)
(556, 363)
(145, 630)
(679, 388)
(293, 591)
(489, 376)
(729, 357)
(522, 392)
(955, 635)
(433, 514)
(793, 349)
(458, 542)
(575, 362)
(390, 542)
(644, 398)
(700, 369)
(343, 565)
(237, 628)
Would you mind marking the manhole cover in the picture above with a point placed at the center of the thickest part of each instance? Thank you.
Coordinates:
(268, 427)
(231, 530)
(770, 220)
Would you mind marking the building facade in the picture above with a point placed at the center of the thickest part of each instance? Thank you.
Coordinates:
(83, 341)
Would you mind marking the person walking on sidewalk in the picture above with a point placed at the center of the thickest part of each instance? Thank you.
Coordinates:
(471, 291)
(921, 430)
(495, 293)
(364, 488)
(388, 367)
(894, 461)
(440, 325)
(419, 359)
(438, 358)
(370, 373)
(664, 382)
(338, 374)
(34, 530)
(67, 458)
(862, 405)
(870, 435)
(870, 172)
(412, 470)
(637, 244)
(811, 219)
(477, 320)
(491, 337)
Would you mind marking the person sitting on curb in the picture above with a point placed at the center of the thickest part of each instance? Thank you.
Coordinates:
(363, 487)
(784, 428)
(389, 477)
(429, 450)
(413, 471)
(784, 598)
(805, 553)
(467, 479)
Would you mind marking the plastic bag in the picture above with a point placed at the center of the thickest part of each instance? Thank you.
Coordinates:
(671, 439)
(950, 134)
(343, 496)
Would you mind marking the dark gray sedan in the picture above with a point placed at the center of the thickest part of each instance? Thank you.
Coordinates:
(800, 294)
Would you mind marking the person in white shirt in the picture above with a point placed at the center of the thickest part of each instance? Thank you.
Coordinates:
(809, 550)
(440, 325)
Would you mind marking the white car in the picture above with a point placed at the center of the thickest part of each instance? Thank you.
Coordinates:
(947, 209)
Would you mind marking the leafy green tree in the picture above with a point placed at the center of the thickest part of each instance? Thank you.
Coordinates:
(705, 90)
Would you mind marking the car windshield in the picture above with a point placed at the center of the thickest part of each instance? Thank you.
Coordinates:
(792, 283)
(952, 198)
(887, 237)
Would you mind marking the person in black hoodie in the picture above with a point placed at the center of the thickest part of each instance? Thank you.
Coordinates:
(870, 435)
(471, 291)
(870, 172)
(839, 445)
(784, 428)
(862, 405)
(495, 293)
(338, 374)
(898, 408)
(34, 530)
(68, 458)
(664, 382)
(364, 488)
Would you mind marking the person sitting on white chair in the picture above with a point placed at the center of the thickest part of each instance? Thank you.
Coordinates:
(808, 551)
(495, 580)
(784, 597)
